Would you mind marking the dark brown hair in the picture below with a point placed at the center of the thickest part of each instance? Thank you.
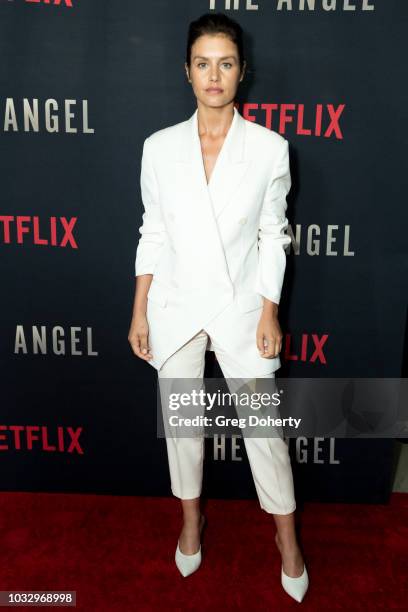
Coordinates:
(215, 23)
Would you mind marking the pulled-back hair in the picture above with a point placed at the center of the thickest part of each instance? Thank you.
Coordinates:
(215, 23)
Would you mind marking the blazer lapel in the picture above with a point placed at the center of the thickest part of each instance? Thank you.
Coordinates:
(230, 168)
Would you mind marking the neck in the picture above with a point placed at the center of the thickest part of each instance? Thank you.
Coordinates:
(214, 122)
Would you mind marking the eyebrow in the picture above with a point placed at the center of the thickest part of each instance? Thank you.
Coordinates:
(221, 58)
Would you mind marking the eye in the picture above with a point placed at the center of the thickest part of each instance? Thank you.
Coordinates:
(228, 64)
(201, 64)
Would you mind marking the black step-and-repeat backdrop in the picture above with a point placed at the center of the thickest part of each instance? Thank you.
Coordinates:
(82, 85)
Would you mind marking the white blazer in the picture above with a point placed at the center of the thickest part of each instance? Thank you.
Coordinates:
(214, 250)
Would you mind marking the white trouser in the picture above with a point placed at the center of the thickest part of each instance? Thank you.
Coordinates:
(269, 458)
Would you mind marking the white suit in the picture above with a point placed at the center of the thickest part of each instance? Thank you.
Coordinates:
(215, 249)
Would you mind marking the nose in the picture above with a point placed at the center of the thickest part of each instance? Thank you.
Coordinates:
(214, 74)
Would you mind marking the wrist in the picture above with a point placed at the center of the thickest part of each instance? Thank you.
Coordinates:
(140, 309)
(270, 308)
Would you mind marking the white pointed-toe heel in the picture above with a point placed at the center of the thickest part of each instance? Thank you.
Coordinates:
(295, 587)
(187, 564)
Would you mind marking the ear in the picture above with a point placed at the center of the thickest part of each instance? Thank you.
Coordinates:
(243, 70)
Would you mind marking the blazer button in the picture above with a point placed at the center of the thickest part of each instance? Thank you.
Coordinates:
(242, 221)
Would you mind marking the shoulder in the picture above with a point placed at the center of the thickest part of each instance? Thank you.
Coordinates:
(258, 135)
(168, 135)
(267, 146)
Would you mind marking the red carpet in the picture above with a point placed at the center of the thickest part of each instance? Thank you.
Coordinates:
(118, 553)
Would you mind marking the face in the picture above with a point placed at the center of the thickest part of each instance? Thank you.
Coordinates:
(214, 70)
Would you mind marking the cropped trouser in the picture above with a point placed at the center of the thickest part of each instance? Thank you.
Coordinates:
(268, 458)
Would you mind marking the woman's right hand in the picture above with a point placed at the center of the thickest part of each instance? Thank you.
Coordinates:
(139, 337)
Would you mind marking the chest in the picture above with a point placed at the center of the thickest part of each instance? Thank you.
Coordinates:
(210, 150)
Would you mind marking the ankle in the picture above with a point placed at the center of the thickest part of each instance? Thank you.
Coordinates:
(192, 520)
(286, 543)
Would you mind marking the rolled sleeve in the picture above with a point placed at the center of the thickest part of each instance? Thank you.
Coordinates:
(272, 237)
(153, 231)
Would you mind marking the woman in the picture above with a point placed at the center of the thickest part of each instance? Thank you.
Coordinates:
(209, 267)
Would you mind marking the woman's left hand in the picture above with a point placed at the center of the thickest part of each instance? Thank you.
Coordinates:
(269, 335)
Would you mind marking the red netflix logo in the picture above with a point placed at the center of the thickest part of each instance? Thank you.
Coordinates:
(56, 231)
(323, 119)
(36, 437)
(67, 3)
(310, 349)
